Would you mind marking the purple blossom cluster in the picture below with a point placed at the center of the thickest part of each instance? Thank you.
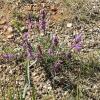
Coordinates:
(42, 20)
(8, 56)
(54, 43)
(78, 37)
(77, 44)
(51, 51)
(25, 36)
(55, 40)
(29, 23)
(27, 46)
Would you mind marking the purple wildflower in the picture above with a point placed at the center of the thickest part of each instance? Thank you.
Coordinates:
(25, 36)
(78, 38)
(42, 14)
(25, 40)
(42, 20)
(37, 56)
(42, 24)
(77, 46)
(50, 51)
(29, 54)
(29, 24)
(29, 50)
(27, 46)
(8, 56)
(55, 40)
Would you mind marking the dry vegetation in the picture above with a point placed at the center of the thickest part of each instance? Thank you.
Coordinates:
(50, 50)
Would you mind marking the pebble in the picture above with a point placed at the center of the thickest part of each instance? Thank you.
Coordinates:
(23, 28)
(10, 29)
(2, 22)
(9, 36)
(69, 25)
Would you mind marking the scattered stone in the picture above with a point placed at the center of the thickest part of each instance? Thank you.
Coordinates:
(9, 36)
(10, 29)
(2, 22)
(69, 25)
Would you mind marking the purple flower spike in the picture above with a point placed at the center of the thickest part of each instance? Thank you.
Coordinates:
(37, 56)
(29, 22)
(29, 50)
(77, 47)
(27, 46)
(77, 44)
(30, 25)
(42, 20)
(55, 40)
(42, 24)
(78, 37)
(42, 14)
(8, 56)
(29, 54)
(50, 51)
(25, 36)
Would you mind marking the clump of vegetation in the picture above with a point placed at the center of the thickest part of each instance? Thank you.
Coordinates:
(49, 55)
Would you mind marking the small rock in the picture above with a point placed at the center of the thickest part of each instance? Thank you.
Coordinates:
(10, 72)
(9, 36)
(23, 28)
(69, 25)
(2, 22)
(29, 7)
(49, 88)
(10, 29)
(42, 34)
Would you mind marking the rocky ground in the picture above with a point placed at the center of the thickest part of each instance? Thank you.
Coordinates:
(64, 18)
